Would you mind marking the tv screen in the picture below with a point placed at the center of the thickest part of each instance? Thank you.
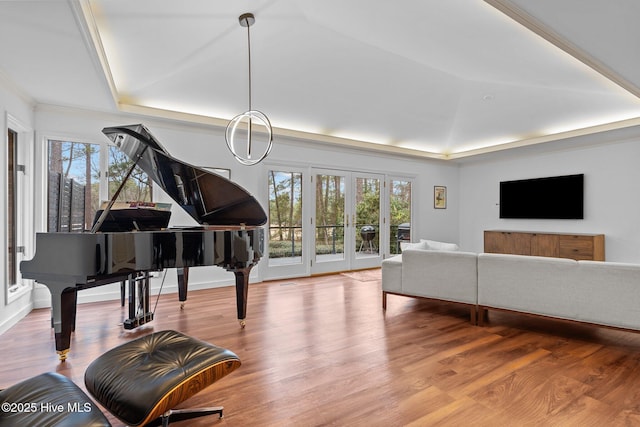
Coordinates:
(556, 197)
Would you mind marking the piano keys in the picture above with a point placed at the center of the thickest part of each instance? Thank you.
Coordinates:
(229, 235)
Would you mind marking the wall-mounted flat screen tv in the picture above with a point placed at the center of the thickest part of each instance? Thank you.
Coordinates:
(555, 197)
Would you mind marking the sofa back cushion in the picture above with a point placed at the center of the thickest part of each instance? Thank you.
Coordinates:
(446, 275)
(609, 293)
(531, 284)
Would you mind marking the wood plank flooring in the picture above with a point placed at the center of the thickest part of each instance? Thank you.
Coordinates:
(320, 351)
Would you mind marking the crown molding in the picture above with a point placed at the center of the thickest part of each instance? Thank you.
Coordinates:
(528, 21)
(550, 138)
(283, 132)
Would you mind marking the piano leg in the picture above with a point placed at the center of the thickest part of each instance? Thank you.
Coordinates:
(242, 291)
(63, 308)
(183, 282)
(75, 311)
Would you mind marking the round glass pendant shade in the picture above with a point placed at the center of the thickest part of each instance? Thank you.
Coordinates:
(247, 134)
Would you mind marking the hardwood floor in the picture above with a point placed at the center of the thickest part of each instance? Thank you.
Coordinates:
(320, 351)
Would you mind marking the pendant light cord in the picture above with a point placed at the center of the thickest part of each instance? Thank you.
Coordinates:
(250, 122)
(249, 57)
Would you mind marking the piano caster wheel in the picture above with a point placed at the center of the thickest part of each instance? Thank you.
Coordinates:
(243, 323)
(182, 306)
(62, 354)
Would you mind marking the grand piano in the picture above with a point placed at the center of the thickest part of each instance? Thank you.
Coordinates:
(228, 234)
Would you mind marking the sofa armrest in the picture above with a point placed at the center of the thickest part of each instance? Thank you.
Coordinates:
(392, 274)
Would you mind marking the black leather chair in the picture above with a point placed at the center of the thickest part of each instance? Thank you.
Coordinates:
(139, 382)
(48, 399)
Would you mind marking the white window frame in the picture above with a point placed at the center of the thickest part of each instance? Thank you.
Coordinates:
(23, 204)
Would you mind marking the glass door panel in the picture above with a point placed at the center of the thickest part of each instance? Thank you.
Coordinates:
(367, 213)
(330, 222)
(367, 224)
(285, 218)
(288, 241)
(399, 214)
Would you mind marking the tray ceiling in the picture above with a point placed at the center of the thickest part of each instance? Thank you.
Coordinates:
(443, 79)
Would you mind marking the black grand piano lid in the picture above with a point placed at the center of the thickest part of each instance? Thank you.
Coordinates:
(209, 198)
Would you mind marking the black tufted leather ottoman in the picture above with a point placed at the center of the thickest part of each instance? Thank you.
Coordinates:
(48, 399)
(144, 379)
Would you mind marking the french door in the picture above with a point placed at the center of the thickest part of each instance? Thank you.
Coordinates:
(327, 220)
(347, 220)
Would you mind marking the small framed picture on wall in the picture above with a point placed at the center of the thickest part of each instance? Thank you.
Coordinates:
(439, 197)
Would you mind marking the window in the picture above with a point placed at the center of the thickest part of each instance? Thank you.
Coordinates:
(78, 186)
(12, 250)
(18, 194)
(73, 185)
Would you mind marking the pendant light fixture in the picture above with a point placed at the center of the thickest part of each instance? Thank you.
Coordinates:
(241, 133)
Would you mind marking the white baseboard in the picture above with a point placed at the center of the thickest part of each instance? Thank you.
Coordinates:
(15, 318)
(42, 296)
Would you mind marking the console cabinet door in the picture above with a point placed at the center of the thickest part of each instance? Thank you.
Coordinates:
(506, 242)
(576, 247)
(545, 245)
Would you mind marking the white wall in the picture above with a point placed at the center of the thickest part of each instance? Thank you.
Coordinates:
(610, 163)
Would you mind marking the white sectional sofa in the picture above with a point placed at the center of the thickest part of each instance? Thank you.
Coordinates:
(594, 292)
